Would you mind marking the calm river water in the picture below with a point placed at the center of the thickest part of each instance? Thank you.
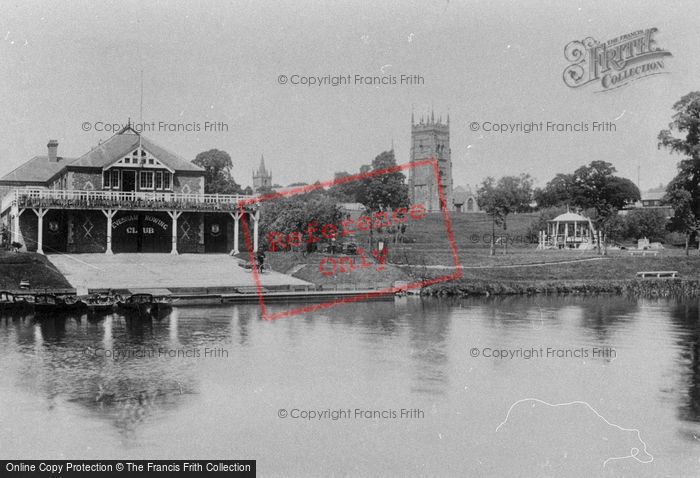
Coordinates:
(611, 388)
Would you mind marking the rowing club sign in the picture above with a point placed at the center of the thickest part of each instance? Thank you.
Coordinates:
(614, 63)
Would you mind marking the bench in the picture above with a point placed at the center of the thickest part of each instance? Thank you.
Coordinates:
(657, 274)
(643, 253)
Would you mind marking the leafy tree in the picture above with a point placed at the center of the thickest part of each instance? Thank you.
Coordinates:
(597, 188)
(500, 198)
(288, 214)
(684, 219)
(348, 191)
(386, 191)
(557, 192)
(617, 228)
(686, 121)
(217, 172)
(649, 223)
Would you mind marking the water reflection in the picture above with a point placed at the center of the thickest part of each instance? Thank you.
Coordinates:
(686, 316)
(409, 352)
(108, 364)
(429, 329)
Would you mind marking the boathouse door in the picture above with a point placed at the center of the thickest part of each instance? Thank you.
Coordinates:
(141, 232)
(215, 233)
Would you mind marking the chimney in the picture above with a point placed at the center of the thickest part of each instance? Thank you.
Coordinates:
(53, 149)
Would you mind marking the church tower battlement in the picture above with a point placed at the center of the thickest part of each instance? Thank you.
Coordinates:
(430, 139)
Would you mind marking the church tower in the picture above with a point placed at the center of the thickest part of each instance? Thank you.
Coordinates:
(430, 139)
(262, 178)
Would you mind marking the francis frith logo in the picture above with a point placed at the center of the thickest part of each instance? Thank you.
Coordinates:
(614, 63)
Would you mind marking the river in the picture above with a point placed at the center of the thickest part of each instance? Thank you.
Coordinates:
(516, 386)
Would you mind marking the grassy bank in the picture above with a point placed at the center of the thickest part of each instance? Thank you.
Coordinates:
(35, 268)
(309, 267)
(636, 287)
(585, 274)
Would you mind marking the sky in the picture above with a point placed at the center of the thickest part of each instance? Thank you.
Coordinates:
(65, 65)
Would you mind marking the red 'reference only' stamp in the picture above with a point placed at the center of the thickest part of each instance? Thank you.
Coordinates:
(348, 227)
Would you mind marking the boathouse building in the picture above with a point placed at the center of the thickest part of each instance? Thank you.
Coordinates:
(125, 195)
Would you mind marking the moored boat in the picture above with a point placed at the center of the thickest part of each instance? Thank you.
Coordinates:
(9, 301)
(163, 304)
(53, 303)
(99, 302)
(141, 303)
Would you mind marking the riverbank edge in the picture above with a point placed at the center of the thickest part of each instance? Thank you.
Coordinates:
(668, 287)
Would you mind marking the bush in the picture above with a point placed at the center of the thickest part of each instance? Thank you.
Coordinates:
(649, 223)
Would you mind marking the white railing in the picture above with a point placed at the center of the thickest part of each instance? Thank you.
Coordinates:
(123, 199)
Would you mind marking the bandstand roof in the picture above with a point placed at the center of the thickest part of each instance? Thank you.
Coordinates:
(570, 217)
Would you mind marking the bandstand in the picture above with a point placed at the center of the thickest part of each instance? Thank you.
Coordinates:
(568, 231)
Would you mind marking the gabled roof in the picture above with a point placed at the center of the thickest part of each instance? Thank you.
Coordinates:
(460, 194)
(38, 169)
(124, 143)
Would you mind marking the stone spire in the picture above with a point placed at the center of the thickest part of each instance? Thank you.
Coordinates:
(261, 168)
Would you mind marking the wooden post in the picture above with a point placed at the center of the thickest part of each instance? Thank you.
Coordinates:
(109, 213)
(174, 215)
(236, 218)
(256, 220)
(40, 213)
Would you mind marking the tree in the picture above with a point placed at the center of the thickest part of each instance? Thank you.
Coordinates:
(347, 191)
(288, 214)
(217, 172)
(597, 188)
(558, 192)
(649, 223)
(684, 219)
(500, 198)
(685, 120)
(385, 191)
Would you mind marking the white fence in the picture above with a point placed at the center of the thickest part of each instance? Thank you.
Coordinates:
(121, 199)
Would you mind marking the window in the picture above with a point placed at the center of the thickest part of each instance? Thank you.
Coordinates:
(146, 180)
(166, 180)
(159, 180)
(105, 179)
(115, 178)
